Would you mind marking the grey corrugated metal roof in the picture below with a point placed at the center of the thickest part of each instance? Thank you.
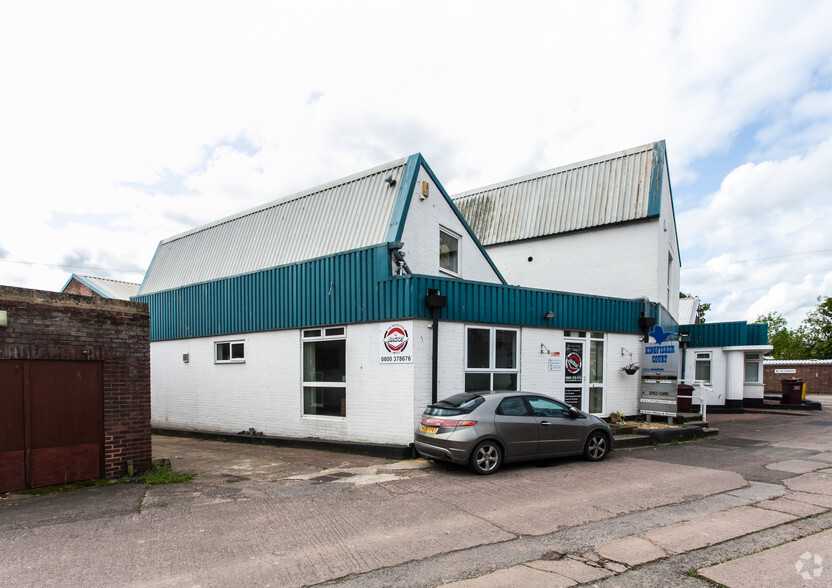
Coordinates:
(688, 311)
(347, 214)
(606, 190)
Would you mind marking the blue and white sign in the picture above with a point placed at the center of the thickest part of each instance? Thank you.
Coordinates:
(661, 357)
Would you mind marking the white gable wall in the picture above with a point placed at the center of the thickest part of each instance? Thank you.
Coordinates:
(618, 261)
(421, 236)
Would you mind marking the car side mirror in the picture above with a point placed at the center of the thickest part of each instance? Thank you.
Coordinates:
(573, 412)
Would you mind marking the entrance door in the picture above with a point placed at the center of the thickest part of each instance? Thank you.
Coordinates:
(584, 374)
(574, 379)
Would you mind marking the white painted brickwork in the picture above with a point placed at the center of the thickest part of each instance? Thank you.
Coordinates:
(619, 262)
(384, 401)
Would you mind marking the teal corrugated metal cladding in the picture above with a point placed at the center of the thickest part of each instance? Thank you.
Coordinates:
(348, 288)
(726, 334)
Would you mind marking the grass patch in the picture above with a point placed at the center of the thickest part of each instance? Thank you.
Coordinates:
(163, 473)
(160, 472)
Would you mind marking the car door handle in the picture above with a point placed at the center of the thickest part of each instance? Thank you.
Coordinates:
(545, 423)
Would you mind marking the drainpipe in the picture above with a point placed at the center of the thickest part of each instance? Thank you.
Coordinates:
(435, 302)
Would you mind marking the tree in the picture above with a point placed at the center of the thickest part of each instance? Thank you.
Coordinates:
(703, 306)
(787, 344)
(811, 340)
(816, 330)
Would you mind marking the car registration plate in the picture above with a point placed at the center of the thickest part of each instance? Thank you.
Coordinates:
(429, 430)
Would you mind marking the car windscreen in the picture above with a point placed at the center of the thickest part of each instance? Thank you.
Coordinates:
(454, 405)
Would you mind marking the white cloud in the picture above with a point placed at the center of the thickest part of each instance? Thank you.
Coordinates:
(107, 104)
(763, 239)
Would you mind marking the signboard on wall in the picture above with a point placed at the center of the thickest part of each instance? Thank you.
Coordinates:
(394, 343)
(572, 397)
(659, 374)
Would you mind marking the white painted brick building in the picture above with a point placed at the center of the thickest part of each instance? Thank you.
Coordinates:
(276, 319)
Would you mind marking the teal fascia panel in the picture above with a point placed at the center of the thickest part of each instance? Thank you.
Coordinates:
(342, 289)
(403, 197)
(730, 334)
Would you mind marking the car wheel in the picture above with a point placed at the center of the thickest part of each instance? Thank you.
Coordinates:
(486, 458)
(597, 446)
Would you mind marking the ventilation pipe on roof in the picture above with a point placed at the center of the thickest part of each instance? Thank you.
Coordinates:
(645, 321)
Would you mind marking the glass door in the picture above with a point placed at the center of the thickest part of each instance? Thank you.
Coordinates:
(583, 376)
(573, 374)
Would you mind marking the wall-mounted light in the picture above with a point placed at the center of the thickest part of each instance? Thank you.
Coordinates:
(391, 181)
(549, 315)
(4, 318)
(186, 357)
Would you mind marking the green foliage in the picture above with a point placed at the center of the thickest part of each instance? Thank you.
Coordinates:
(811, 340)
(817, 329)
(787, 343)
(162, 473)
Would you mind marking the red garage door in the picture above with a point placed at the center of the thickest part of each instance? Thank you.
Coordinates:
(55, 431)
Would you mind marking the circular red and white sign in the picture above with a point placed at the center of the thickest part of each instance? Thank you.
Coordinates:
(395, 339)
(573, 363)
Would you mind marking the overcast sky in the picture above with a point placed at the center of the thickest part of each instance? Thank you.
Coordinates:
(122, 124)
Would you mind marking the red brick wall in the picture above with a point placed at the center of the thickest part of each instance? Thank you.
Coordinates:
(53, 326)
(817, 375)
(76, 287)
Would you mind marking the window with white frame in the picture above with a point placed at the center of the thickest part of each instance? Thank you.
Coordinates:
(229, 352)
(491, 359)
(448, 251)
(325, 372)
(753, 368)
(703, 366)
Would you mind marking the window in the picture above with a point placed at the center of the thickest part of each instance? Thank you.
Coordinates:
(546, 407)
(229, 352)
(703, 366)
(325, 372)
(490, 359)
(753, 364)
(514, 406)
(448, 252)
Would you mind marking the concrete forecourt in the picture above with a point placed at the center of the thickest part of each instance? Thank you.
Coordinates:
(751, 507)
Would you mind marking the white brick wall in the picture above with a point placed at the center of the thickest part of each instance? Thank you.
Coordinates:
(421, 237)
(617, 261)
(384, 401)
(265, 392)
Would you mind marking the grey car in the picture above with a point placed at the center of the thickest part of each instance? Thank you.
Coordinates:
(487, 429)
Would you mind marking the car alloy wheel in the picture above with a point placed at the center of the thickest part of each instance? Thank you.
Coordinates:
(486, 458)
(597, 447)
